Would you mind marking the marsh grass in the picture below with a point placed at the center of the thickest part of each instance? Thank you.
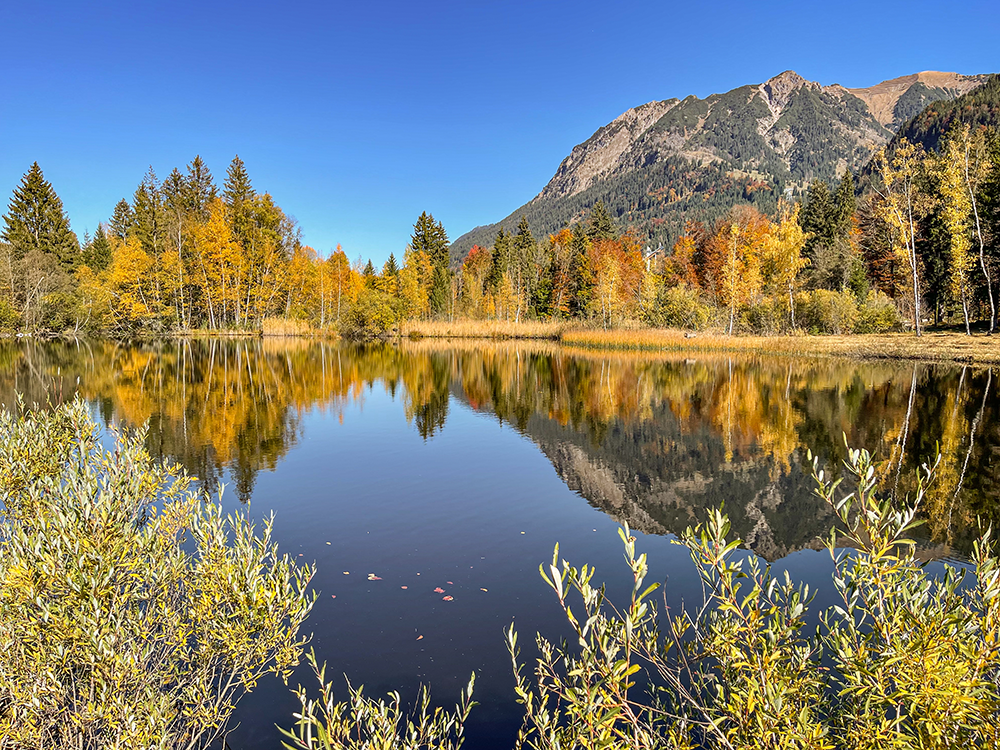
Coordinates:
(484, 329)
(289, 327)
(948, 347)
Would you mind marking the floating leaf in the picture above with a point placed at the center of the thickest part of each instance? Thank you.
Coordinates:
(333, 596)
(450, 583)
(402, 587)
(420, 637)
(347, 572)
(438, 590)
(447, 598)
(373, 577)
(482, 589)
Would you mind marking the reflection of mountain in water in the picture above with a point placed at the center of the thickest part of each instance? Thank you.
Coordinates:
(654, 440)
(661, 480)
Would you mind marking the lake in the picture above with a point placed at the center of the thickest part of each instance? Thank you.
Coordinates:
(423, 470)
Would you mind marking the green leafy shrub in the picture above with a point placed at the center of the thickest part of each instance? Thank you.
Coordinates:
(364, 723)
(878, 314)
(373, 315)
(679, 307)
(133, 613)
(10, 319)
(824, 311)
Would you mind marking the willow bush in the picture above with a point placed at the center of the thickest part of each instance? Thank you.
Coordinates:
(133, 612)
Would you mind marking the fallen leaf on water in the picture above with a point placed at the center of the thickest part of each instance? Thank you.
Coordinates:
(402, 587)
(419, 637)
(333, 596)
(329, 542)
(373, 577)
(482, 589)
(450, 583)
(447, 598)
(438, 590)
(347, 572)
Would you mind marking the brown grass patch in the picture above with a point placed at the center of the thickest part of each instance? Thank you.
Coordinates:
(944, 347)
(290, 327)
(484, 329)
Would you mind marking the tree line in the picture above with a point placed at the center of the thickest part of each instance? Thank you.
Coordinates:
(917, 243)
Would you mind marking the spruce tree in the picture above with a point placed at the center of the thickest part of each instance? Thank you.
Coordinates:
(581, 277)
(148, 223)
(200, 188)
(238, 194)
(35, 220)
(818, 217)
(391, 267)
(430, 237)
(602, 227)
(98, 253)
(845, 205)
(122, 219)
(499, 259)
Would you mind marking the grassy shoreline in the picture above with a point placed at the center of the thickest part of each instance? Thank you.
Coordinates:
(933, 346)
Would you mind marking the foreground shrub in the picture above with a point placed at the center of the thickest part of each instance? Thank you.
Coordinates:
(133, 613)
(373, 315)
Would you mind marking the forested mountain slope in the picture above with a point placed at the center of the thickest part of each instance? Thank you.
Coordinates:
(667, 162)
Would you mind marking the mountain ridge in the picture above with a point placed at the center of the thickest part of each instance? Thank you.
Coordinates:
(667, 161)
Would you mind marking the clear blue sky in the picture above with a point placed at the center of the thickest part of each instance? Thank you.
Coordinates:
(357, 116)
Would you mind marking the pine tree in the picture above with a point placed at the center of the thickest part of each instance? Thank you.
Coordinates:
(819, 217)
(98, 253)
(429, 236)
(122, 219)
(846, 205)
(35, 220)
(391, 267)
(147, 211)
(500, 259)
(238, 195)
(200, 188)
(602, 227)
(580, 273)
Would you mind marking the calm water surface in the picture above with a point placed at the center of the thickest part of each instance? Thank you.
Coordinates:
(460, 466)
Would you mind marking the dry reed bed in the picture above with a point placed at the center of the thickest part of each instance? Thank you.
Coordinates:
(485, 329)
(946, 347)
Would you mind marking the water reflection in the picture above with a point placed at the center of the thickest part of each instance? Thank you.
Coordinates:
(651, 440)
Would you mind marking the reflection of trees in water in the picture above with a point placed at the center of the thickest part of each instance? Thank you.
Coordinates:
(654, 438)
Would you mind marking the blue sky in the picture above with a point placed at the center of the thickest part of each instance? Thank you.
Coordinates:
(357, 116)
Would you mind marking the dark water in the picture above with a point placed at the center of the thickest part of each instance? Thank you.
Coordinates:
(459, 467)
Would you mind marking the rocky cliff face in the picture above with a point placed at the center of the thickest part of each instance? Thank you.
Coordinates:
(664, 162)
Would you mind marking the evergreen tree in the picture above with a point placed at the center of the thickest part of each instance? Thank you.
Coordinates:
(602, 227)
(98, 253)
(200, 188)
(430, 237)
(391, 267)
(147, 210)
(35, 220)
(500, 259)
(122, 219)
(238, 195)
(819, 217)
(846, 204)
(368, 272)
(581, 281)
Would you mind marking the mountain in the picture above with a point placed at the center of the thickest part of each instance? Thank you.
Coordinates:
(979, 107)
(666, 162)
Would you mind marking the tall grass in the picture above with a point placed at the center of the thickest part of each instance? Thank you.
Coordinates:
(484, 329)
(952, 347)
(290, 327)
